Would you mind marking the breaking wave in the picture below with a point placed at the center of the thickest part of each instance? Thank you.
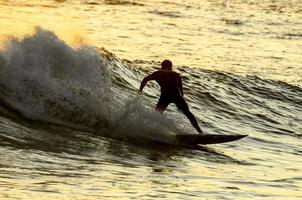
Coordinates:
(44, 79)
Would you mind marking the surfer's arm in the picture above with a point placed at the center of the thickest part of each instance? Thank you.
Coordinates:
(145, 81)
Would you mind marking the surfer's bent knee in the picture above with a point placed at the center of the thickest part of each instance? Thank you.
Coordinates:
(159, 109)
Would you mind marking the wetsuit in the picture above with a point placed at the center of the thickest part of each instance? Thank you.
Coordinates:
(171, 92)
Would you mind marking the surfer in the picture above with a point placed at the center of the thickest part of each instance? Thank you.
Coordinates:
(171, 91)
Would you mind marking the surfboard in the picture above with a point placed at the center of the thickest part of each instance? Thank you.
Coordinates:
(203, 139)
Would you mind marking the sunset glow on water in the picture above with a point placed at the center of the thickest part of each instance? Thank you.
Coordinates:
(73, 127)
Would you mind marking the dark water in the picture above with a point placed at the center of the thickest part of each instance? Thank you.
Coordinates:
(73, 127)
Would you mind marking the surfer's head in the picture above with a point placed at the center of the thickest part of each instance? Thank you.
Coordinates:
(166, 65)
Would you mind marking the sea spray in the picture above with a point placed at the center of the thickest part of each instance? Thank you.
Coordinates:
(134, 120)
(44, 79)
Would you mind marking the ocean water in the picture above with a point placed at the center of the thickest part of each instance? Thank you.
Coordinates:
(73, 127)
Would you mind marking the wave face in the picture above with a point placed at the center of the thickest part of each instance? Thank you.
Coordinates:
(44, 79)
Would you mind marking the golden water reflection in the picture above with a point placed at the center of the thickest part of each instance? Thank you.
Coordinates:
(230, 38)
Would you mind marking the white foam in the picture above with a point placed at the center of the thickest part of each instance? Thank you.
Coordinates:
(45, 79)
(137, 121)
(49, 80)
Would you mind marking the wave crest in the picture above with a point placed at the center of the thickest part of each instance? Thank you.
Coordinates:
(45, 79)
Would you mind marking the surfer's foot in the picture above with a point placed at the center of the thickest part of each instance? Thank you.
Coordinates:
(200, 132)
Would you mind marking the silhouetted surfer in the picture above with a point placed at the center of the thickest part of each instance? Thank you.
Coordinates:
(171, 91)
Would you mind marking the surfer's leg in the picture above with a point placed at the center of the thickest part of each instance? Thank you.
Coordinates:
(183, 106)
(162, 104)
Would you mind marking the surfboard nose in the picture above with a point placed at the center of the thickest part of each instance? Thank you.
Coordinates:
(194, 139)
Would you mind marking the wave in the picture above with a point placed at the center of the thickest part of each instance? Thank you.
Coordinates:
(44, 79)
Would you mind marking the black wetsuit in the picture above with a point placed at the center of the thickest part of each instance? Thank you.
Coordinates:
(171, 92)
(171, 89)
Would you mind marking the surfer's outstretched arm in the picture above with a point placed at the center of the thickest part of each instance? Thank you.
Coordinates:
(145, 81)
